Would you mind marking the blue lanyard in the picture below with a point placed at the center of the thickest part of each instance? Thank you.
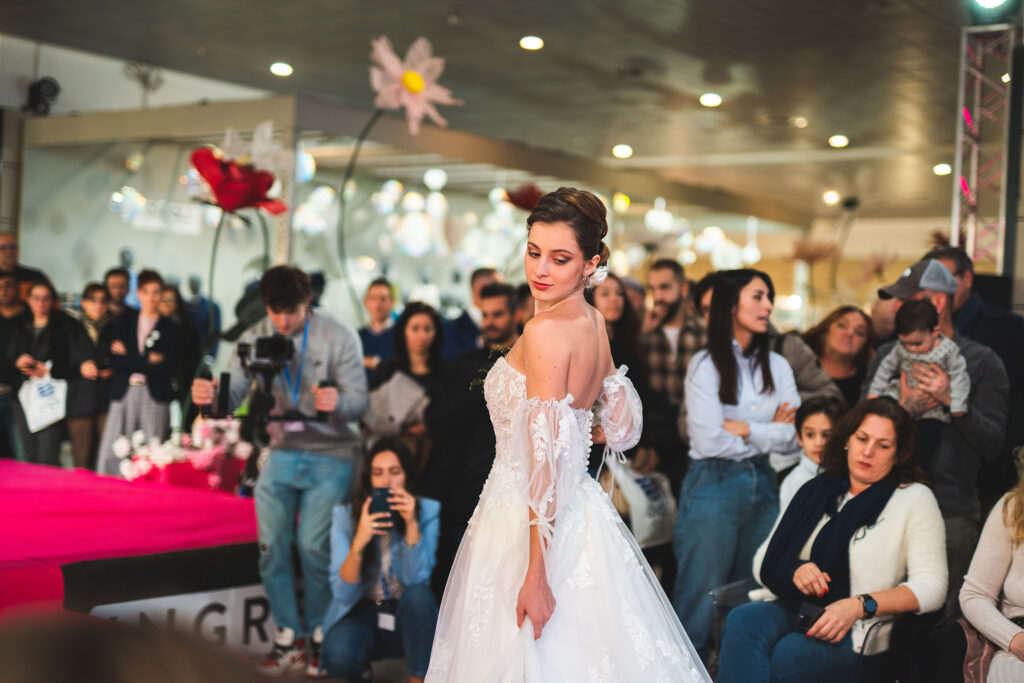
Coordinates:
(385, 579)
(298, 375)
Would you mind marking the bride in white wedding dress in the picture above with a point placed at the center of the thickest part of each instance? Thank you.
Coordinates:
(548, 584)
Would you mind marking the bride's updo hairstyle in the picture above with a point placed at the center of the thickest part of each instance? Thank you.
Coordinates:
(580, 210)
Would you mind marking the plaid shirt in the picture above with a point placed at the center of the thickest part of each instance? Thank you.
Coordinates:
(666, 372)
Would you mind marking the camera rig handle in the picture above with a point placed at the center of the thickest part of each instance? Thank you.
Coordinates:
(205, 411)
(224, 395)
(321, 415)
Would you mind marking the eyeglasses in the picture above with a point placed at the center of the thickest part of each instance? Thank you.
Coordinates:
(8, 247)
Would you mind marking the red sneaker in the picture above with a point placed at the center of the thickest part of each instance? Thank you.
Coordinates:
(288, 655)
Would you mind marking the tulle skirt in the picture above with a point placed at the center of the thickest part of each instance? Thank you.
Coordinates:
(612, 621)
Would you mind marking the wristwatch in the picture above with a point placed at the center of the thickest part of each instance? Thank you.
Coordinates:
(868, 604)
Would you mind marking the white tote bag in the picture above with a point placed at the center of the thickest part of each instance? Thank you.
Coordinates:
(44, 400)
(652, 508)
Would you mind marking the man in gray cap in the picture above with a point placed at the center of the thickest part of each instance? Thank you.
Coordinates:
(951, 452)
(1002, 331)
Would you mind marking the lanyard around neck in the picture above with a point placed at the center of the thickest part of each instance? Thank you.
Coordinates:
(298, 374)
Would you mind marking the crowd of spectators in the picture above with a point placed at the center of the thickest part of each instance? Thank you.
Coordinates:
(882, 499)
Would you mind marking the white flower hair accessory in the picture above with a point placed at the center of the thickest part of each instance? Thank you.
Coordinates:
(597, 277)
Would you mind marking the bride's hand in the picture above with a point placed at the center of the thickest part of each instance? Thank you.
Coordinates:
(536, 601)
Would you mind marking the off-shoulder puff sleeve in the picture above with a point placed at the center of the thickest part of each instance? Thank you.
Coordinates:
(622, 417)
(550, 433)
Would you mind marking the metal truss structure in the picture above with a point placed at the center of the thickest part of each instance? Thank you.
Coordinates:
(983, 136)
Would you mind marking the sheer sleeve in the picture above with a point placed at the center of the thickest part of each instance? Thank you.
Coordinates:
(551, 435)
(621, 412)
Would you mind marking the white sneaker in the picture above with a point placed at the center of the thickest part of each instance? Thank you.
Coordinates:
(288, 655)
(313, 667)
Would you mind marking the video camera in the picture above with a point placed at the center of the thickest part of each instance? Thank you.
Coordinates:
(262, 360)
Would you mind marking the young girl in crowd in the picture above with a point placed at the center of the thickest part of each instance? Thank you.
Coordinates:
(380, 572)
(813, 422)
(740, 400)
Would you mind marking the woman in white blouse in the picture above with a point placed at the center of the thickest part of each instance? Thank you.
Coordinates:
(740, 399)
(859, 544)
(992, 597)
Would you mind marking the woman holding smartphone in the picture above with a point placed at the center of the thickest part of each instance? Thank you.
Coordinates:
(380, 570)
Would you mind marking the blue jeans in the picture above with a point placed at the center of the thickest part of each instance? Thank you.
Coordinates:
(760, 643)
(726, 510)
(355, 641)
(308, 485)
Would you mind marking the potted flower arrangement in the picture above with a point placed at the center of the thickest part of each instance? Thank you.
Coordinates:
(212, 456)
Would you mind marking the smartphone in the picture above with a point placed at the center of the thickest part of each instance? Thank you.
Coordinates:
(379, 500)
(809, 613)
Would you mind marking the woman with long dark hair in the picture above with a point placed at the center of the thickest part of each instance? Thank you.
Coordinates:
(380, 571)
(174, 308)
(623, 326)
(858, 545)
(740, 398)
(419, 340)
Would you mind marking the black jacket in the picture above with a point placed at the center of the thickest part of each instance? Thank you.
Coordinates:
(87, 397)
(51, 344)
(163, 340)
(9, 374)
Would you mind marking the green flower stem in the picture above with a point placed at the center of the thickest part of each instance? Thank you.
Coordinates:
(212, 328)
(266, 240)
(343, 211)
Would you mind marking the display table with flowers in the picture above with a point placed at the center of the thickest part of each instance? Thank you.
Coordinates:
(212, 457)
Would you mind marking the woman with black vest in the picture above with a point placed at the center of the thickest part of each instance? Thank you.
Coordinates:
(143, 354)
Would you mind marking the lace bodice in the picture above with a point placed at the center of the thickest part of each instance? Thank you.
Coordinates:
(542, 446)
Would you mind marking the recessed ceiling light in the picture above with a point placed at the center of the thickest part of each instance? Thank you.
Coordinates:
(281, 69)
(710, 99)
(942, 169)
(622, 151)
(1006, 78)
(838, 141)
(531, 43)
(800, 121)
(990, 4)
(830, 197)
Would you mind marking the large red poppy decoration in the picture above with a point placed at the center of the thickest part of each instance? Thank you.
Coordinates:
(525, 196)
(236, 186)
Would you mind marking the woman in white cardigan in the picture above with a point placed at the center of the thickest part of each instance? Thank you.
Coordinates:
(859, 544)
(992, 597)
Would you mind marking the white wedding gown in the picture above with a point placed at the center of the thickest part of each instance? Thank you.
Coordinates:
(612, 621)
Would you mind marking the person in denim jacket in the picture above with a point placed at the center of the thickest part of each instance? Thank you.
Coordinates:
(381, 564)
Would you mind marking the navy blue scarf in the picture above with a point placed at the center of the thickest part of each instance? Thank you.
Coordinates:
(830, 550)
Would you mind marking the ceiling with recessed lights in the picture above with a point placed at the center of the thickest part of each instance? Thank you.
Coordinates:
(882, 73)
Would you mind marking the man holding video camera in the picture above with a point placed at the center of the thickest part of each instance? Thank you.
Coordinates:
(310, 465)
